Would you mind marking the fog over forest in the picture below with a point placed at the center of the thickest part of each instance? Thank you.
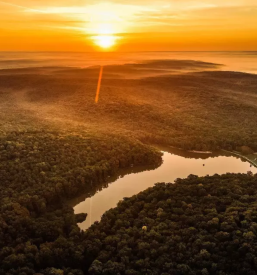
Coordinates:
(57, 143)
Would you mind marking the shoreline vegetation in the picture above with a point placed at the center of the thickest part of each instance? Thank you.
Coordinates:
(55, 141)
(251, 158)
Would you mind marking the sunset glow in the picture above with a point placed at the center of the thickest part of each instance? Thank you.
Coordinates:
(105, 37)
(105, 41)
(165, 25)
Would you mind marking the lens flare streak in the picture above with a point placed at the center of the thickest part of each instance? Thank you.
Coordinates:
(99, 85)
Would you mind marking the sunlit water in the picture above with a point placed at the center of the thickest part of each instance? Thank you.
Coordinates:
(232, 61)
(173, 167)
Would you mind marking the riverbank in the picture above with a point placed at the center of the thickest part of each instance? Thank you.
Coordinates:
(251, 158)
(176, 164)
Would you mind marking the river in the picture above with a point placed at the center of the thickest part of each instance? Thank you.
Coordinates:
(176, 164)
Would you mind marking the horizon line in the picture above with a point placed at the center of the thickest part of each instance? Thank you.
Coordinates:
(106, 52)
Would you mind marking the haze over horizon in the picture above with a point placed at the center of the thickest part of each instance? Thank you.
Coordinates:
(188, 25)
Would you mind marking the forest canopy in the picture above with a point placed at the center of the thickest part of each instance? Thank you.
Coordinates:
(39, 172)
(56, 143)
(199, 225)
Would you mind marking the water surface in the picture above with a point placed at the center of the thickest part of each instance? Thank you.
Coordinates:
(176, 164)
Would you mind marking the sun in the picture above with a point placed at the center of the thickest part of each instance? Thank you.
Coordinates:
(105, 35)
(105, 25)
(105, 41)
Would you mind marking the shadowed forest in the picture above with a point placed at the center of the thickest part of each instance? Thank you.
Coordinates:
(56, 142)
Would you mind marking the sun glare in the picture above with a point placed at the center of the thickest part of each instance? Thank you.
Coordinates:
(105, 24)
(105, 35)
(105, 41)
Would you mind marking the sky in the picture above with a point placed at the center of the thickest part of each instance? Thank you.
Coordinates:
(128, 25)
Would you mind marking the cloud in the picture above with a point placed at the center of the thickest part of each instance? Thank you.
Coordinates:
(123, 16)
(19, 7)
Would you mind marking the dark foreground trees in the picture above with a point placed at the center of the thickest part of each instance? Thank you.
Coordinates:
(196, 226)
(205, 225)
(39, 172)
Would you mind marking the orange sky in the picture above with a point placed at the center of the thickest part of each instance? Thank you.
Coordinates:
(128, 25)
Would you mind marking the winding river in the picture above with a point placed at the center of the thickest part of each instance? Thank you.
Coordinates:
(176, 164)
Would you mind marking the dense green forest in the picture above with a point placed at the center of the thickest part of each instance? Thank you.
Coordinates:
(199, 225)
(39, 172)
(56, 143)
